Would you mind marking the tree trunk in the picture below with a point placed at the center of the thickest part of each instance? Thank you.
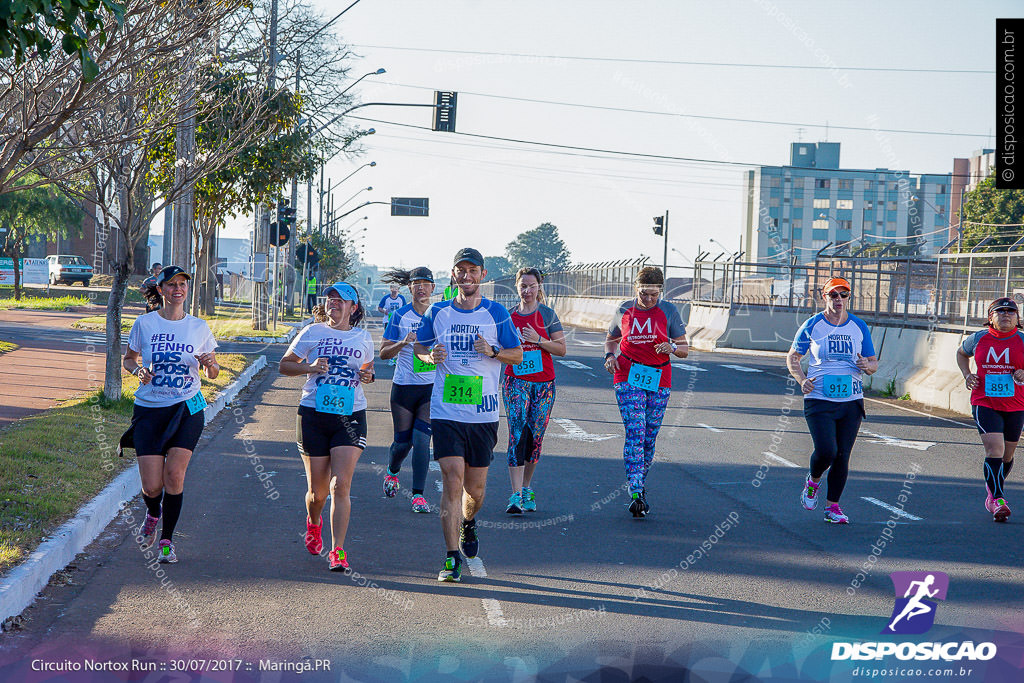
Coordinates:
(15, 257)
(121, 266)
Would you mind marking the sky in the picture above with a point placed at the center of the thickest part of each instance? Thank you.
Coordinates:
(687, 70)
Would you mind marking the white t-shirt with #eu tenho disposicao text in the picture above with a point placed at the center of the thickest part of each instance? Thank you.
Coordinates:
(168, 349)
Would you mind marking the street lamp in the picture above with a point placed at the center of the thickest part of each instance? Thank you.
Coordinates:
(357, 193)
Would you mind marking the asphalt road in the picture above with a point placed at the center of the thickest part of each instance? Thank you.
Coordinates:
(578, 590)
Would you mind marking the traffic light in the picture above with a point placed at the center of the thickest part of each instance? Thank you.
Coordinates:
(659, 225)
(285, 214)
(444, 110)
(307, 254)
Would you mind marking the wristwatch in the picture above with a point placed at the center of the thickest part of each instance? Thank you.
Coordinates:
(496, 351)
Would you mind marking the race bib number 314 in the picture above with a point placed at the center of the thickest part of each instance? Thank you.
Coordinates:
(463, 389)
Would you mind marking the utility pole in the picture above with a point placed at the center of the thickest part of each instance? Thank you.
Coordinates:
(260, 298)
(185, 151)
(165, 258)
(289, 266)
(664, 259)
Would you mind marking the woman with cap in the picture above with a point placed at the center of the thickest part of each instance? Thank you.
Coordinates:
(997, 395)
(411, 386)
(166, 349)
(646, 332)
(528, 389)
(841, 354)
(337, 358)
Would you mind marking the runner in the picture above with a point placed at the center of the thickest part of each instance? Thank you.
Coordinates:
(468, 339)
(390, 303)
(841, 353)
(647, 333)
(997, 398)
(450, 291)
(150, 281)
(330, 430)
(528, 389)
(311, 293)
(166, 349)
(411, 387)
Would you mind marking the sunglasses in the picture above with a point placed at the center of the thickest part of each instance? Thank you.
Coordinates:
(838, 295)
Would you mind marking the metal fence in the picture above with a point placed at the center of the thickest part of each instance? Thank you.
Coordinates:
(947, 290)
(611, 279)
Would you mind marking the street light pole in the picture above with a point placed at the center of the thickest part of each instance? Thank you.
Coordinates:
(664, 259)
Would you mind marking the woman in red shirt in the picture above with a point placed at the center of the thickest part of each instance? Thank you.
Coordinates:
(997, 395)
(528, 389)
(647, 333)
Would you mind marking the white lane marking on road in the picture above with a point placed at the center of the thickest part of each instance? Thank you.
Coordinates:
(742, 368)
(95, 339)
(919, 412)
(577, 433)
(689, 367)
(495, 617)
(893, 441)
(574, 364)
(714, 429)
(779, 459)
(588, 343)
(434, 466)
(896, 511)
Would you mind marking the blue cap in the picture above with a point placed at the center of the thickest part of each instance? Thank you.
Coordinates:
(344, 290)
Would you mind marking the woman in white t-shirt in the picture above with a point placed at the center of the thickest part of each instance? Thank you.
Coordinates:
(166, 349)
(337, 358)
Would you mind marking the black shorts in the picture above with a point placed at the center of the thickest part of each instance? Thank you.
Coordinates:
(474, 442)
(317, 433)
(992, 421)
(412, 397)
(155, 431)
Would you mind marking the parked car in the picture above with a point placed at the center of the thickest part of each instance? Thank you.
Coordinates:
(67, 269)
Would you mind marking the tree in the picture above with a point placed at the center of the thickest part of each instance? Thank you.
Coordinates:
(338, 261)
(498, 267)
(987, 211)
(36, 211)
(539, 248)
(70, 22)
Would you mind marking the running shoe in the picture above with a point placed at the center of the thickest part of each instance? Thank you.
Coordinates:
(809, 496)
(644, 507)
(147, 534)
(468, 541)
(636, 504)
(314, 537)
(419, 504)
(990, 502)
(390, 485)
(452, 570)
(1001, 512)
(166, 554)
(515, 504)
(337, 561)
(529, 500)
(834, 515)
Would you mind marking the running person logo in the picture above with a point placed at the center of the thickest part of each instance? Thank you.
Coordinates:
(916, 592)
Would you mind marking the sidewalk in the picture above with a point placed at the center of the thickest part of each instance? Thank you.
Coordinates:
(47, 367)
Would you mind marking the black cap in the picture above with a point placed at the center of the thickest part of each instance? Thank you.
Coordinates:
(1004, 303)
(469, 254)
(421, 273)
(169, 272)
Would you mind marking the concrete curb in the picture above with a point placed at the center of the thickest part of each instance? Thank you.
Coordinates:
(21, 586)
(273, 340)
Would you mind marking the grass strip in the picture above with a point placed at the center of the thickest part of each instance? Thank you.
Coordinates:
(55, 461)
(43, 303)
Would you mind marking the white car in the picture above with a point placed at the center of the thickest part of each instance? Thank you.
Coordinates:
(67, 269)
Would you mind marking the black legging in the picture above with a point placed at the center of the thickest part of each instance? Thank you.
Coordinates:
(410, 412)
(833, 426)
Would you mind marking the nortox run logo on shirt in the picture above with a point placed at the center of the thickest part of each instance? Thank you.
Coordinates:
(460, 341)
(169, 368)
(840, 346)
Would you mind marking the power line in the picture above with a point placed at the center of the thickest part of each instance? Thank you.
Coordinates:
(705, 117)
(643, 155)
(678, 62)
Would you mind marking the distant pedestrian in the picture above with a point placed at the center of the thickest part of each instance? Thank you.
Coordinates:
(150, 282)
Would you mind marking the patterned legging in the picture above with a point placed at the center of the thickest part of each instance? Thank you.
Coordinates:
(642, 412)
(528, 407)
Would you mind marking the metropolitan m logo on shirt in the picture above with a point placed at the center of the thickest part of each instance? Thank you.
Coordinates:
(1002, 357)
(641, 327)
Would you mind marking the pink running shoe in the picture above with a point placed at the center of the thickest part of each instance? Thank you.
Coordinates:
(390, 485)
(147, 534)
(337, 560)
(809, 496)
(314, 537)
(990, 502)
(834, 515)
(1001, 512)
(419, 504)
